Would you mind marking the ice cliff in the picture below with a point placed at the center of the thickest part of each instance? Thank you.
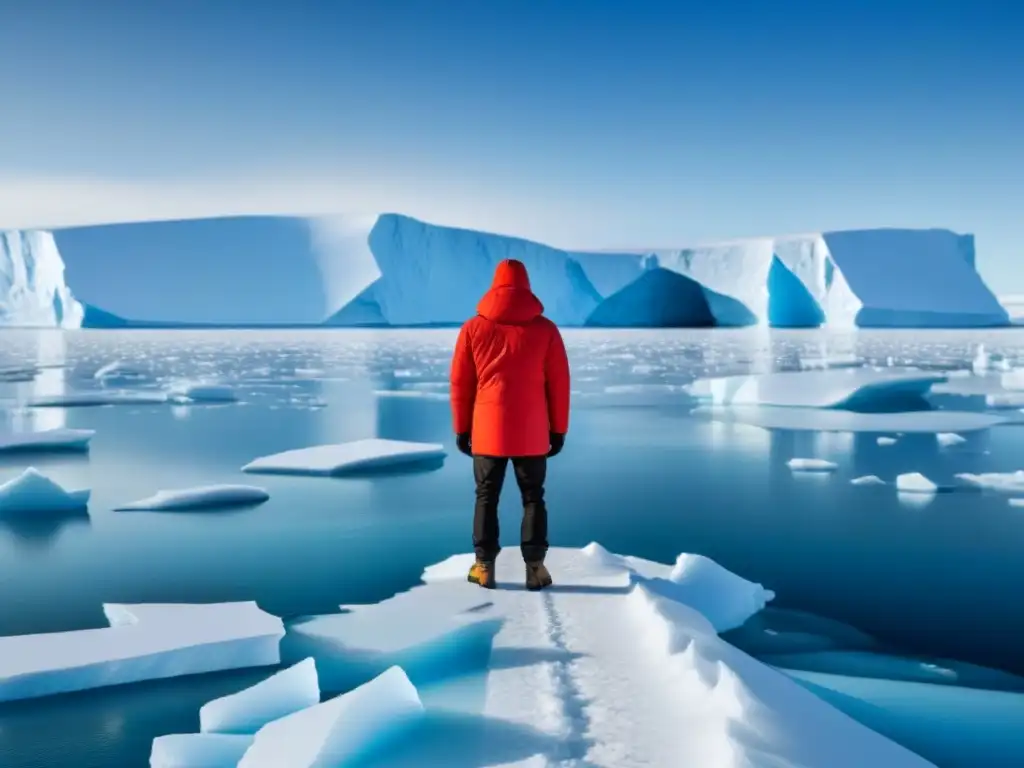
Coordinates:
(32, 288)
(421, 274)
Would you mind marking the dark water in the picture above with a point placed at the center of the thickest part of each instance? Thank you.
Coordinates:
(639, 474)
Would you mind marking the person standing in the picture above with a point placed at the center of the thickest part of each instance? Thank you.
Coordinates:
(510, 404)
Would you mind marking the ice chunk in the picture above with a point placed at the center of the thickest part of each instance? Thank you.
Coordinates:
(830, 388)
(1005, 400)
(198, 750)
(94, 399)
(33, 292)
(884, 441)
(47, 440)
(947, 439)
(812, 465)
(867, 480)
(355, 457)
(416, 394)
(915, 482)
(1018, 502)
(32, 491)
(118, 371)
(199, 498)
(203, 393)
(146, 641)
(1007, 482)
(831, 420)
(249, 710)
(335, 733)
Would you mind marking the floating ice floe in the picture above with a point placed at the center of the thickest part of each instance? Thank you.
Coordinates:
(812, 465)
(144, 642)
(948, 439)
(96, 399)
(47, 440)
(340, 729)
(1017, 502)
(832, 420)
(245, 712)
(1005, 401)
(915, 482)
(1007, 482)
(198, 750)
(370, 455)
(118, 371)
(200, 498)
(412, 394)
(32, 491)
(832, 388)
(886, 441)
(203, 393)
(867, 480)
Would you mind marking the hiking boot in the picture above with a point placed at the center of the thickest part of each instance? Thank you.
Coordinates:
(482, 574)
(537, 576)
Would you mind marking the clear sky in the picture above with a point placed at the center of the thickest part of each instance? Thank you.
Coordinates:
(589, 123)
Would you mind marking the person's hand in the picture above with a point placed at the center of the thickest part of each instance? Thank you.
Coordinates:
(557, 441)
(463, 443)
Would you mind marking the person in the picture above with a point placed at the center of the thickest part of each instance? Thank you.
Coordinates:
(510, 403)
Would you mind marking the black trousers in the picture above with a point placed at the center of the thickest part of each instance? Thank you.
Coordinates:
(530, 472)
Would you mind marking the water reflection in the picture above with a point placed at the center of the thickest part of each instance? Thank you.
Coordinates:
(40, 531)
(49, 379)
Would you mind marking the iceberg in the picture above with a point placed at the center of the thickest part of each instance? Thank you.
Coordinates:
(47, 440)
(915, 482)
(32, 492)
(198, 750)
(32, 288)
(359, 456)
(249, 710)
(812, 465)
(341, 730)
(200, 498)
(146, 641)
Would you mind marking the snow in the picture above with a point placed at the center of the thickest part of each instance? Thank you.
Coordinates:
(249, 710)
(32, 492)
(341, 729)
(47, 440)
(203, 393)
(32, 288)
(832, 388)
(831, 420)
(146, 641)
(199, 498)
(198, 750)
(812, 465)
(867, 480)
(93, 399)
(915, 482)
(1006, 482)
(372, 454)
(948, 439)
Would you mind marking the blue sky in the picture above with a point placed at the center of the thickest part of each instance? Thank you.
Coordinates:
(590, 123)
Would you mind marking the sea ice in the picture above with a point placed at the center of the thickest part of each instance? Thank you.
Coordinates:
(884, 441)
(830, 388)
(47, 440)
(203, 393)
(340, 730)
(413, 394)
(867, 480)
(812, 465)
(200, 498)
(198, 750)
(118, 371)
(245, 712)
(833, 420)
(146, 641)
(32, 491)
(947, 439)
(1007, 482)
(369, 455)
(915, 482)
(94, 399)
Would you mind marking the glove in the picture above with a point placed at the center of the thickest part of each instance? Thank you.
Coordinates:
(462, 442)
(557, 441)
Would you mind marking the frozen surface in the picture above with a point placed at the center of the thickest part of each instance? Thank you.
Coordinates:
(832, 420)
(948, 439)
(144, 642)
(1007, 482)
(33, 492)
(831, 388)
(886, 441)
(915, 482)
(198, 750)
(202, 497)
(341, 730)
(245, 712)
(204, 393)
(118, 371)
(812, 465)
(369, 455)
(47, 440)
(867, 480)
(32, 288)
(93, 399)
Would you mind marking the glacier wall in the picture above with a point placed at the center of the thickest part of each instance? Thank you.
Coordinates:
(434, 275)
(32, 289)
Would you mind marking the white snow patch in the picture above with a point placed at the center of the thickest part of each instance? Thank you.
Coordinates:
(340, 458)
(281, 694)
(145, 641)
(32, 491)
(198, 750)
(202, 497)
(833, 420)
(812, 465)
(867, 480)
(48, 440)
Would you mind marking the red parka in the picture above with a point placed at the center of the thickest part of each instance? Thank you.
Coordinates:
(510, 374)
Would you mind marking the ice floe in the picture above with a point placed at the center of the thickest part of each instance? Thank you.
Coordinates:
(47, 440)
(245, 712)
(915, 482)
(1006, 482)
(812, 465)
(833, 420)
(867, 480)
(371, 455)
(118, 372)
(198, 750)
(203, 497)
(202, 393)
(32, 491)
(886, 441)
(413, 394)
(143, 642)
(948, 439)
(96, 399)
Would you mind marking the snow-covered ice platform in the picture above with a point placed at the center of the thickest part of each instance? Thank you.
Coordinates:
(356, 457)
(146, 641)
